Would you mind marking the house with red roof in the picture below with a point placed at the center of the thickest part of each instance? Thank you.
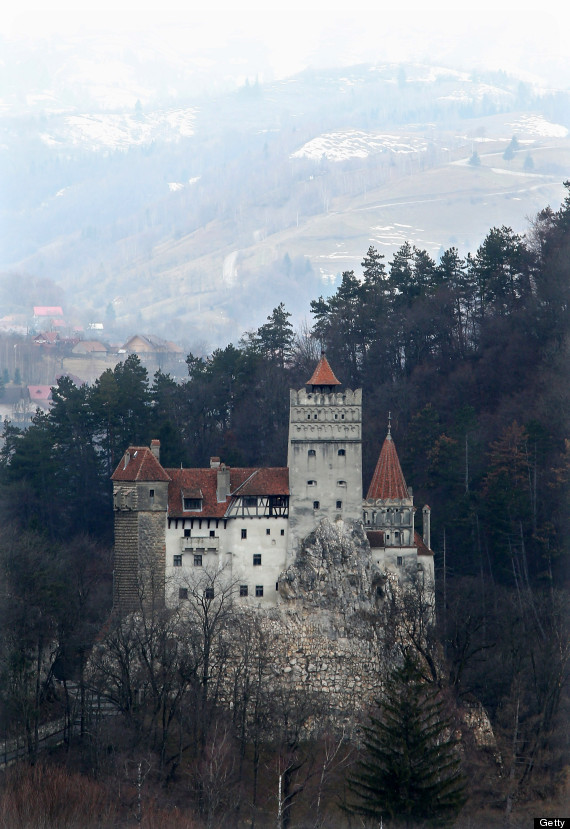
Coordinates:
(40, 397)
(48, 317)
(250, 523)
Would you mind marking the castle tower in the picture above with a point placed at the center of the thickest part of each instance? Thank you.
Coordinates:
(140, 499)
(324, 454)
(389, 505)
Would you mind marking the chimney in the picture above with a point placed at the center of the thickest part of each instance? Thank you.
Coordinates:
(214, 463)
(126, 459)
(223, 486)
(426, 515)
(155, 449)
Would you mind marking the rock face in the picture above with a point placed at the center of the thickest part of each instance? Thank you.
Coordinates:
(328, 631)
(333, 570)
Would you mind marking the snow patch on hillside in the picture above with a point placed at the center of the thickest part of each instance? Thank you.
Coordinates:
(340, 146)
(120, 131)
(472, 92)
(538, 125)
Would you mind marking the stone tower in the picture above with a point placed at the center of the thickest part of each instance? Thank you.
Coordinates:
(140, 499)
(389, 505)
(324, 454)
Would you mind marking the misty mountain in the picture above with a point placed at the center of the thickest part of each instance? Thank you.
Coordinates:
(194, 217)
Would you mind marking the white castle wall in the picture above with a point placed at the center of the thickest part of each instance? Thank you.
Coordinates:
(324, 460)
(228, 551)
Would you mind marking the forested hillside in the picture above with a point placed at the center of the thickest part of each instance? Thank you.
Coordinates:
(470, 356)
(169, 219)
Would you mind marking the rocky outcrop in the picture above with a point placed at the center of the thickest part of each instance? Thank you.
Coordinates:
(327, 631)
(333, 571)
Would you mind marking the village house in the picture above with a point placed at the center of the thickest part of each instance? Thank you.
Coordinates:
(157, 354)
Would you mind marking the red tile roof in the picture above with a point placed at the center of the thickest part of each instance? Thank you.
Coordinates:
(139, 464)
(48, 311)
(269, 481)
(266, 481)
(47, 338)
(39, 392)
(422, 549)
(323, 375)
(375, 538)
(388, 479)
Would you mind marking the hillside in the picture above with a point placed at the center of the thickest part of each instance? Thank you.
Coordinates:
(195, 220)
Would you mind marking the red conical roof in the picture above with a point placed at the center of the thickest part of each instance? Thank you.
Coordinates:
(388, 479)
(139, 464)
(323, 375)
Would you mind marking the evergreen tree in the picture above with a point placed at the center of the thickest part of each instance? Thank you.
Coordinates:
(410, 773)
(275, 338)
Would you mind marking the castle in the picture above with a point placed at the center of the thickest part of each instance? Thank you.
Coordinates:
(249, 523)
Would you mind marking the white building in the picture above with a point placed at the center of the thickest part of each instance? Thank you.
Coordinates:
(249, 523)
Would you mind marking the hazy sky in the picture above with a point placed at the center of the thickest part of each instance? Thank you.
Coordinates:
(275, 42)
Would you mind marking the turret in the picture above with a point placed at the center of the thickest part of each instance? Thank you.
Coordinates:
(389, 505)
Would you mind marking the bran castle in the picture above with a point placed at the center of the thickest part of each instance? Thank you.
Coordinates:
(250, 523)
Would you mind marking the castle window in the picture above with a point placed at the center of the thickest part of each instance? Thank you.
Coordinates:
(186, 533)
(192, 504)
(309, 416)
(249, 500)
(341, 483)
(339, 504)
(315, 416)
(400, 561)
(212, 533)
(151, 493)
(316, 504)
(258, 591)
(243, 591)
(282, 532)
(277, 585)
(342, 417)
(336, 417)
(182, 592)
(209, 593)
(311, 483)
(312, 453)
(257, 559)
(244, 533)
(177, 561)
(198, 560)
(342, 452)
(268, 531)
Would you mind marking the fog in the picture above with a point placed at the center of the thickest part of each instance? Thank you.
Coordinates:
(226, 45)
(159, 167)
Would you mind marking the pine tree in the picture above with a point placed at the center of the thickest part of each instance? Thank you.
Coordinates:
(410, 772)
